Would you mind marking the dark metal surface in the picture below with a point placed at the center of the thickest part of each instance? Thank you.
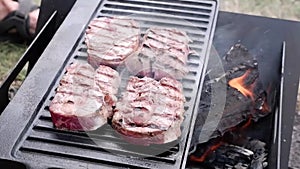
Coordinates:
(263, 37)
(278, 119)
(47, 7)
(33, 140)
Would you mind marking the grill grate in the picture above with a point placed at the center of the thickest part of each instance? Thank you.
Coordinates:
(194, 17)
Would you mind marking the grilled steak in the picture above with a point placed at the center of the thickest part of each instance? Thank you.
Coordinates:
(81, 101)
(164, 53)
(150, 111)
(111, 40)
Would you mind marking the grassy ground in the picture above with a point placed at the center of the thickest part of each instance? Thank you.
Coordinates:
(9, 55)
(284, 9)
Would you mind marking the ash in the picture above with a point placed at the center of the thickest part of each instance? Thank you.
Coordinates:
(252, 155)
(231, 153)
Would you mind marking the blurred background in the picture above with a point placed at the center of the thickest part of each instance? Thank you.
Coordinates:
(283, 9)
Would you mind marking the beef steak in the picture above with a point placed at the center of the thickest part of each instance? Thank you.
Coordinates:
(150, 111)
(81, 102)
(111, 40)
(164, 53)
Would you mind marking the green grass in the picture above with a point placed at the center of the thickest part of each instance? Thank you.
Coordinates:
(284, 9)
(9, 55)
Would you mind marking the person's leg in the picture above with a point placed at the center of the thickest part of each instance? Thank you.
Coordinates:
(8, 6)
(33, 20)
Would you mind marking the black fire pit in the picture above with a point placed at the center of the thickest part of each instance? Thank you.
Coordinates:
(264, 38)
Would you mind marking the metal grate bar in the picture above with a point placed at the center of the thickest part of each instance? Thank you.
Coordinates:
(103, 138)
(53, 148)
(44, 153)
(90, 145)
(104, 135)
(187, 6)
(130, 12)
(192, 25)
(173, 11)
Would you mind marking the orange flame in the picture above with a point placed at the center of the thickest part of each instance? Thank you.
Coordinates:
(206, 153)
(238, 83)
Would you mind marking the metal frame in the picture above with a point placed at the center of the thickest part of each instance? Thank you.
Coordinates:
(265, 36)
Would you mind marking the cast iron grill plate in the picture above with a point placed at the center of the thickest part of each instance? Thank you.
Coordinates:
(41, 139)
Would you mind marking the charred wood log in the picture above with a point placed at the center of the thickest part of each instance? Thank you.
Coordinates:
(245, 96)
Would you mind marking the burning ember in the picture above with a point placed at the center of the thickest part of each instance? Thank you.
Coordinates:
(246, 102)
(233, 150)
(203, 157)
(238, 83)
(250, 153)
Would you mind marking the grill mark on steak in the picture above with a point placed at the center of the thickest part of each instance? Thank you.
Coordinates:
(169, 88)
(85, 70)
(174, 100)
(179, 54)
(166, 58)
(149, 110)
(164, 51)
(107, 79)
(76, 79)
(77, 90)
(65, 97)
(121, 21)
(111, 40)
(173, 34)
(172, 62)
(179, 48)
(163, 38)
(81, 101)
(106, 44)
(104, 31)
(111, 55)
(171, 83)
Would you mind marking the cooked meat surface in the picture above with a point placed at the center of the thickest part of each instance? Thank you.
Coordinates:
(111, 40)
(81, 101)
(164, 53)
(150, 111)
